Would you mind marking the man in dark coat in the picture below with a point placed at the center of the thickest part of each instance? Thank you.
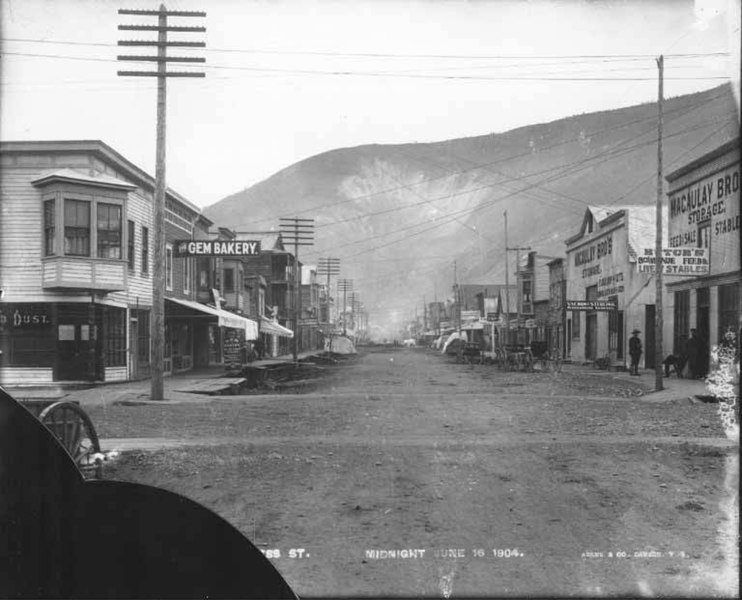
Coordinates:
(635, 351)
(695, 351)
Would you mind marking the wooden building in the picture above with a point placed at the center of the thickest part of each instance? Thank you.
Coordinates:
(602, 266)
(76, 243)
(704, 212)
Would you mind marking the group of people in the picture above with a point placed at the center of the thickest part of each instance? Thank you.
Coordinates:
(690, 363)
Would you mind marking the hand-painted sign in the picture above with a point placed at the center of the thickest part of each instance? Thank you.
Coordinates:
(590, 305)
(217, 248)
(24, 315)
(676, 261)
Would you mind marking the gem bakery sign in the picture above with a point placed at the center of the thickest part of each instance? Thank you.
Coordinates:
(676, 261)
(217, 248)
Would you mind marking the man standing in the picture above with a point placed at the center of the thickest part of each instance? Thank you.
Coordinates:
(635, 351)
(694, 351)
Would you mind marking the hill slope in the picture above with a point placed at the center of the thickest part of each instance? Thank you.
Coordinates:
(399, 215)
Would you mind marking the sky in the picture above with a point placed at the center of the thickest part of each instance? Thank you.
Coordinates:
(289, 79)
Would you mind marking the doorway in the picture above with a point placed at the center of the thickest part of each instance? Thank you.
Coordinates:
(703, 302)
(649, 340)
(75, 343)
(591, 336)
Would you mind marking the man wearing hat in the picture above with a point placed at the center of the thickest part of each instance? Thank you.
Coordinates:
(635, 351)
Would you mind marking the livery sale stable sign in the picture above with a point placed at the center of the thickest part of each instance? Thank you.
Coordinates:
(676, 261)
(217, 248)
(590, 305)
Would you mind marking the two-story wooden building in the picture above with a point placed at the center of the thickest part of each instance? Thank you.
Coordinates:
(601, 271)
(76, 243)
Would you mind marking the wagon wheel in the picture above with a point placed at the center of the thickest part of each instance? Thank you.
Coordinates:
(73, 428)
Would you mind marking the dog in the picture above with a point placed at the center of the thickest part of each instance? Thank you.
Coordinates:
(674, 363)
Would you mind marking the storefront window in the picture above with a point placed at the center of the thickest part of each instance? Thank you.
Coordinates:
(27, 335)
(76, 227)
(49, 227)
(109, 230)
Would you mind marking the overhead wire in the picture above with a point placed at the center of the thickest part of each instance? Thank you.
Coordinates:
(683, 110)
(480, 207)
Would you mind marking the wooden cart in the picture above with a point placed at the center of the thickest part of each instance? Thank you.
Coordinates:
(73, 428)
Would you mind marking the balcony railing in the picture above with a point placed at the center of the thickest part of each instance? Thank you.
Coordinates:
(70, 272)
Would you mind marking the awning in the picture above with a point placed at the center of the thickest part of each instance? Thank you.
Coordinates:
(224, 317)
(268, 326)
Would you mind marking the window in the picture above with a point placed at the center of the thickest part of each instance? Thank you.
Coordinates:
(526, 299)
(109, 230)
(229, 280)
(130, 245)
(704, 234)
(202, 266)
(50, 220)
(76, 227)
(186, 274)
(145, 250)
(114, 333)
(169, 267)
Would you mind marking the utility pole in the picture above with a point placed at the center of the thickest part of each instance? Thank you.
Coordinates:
(658, 321)
(328, 266)
(507, 286)
(162, 28)
(345, 286)
(299, 232)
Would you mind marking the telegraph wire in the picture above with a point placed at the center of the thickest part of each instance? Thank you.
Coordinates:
(469, 211)
(381, 74)
(606, 57)
(569, 169)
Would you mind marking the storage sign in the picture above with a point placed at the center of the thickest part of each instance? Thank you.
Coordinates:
(676, 261)
(217, 248)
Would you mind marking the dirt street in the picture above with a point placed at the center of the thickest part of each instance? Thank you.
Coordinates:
(406, 473)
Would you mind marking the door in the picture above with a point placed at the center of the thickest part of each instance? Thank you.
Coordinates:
(591, 336)
(73, 350)
(649, 336)
(133, 349)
